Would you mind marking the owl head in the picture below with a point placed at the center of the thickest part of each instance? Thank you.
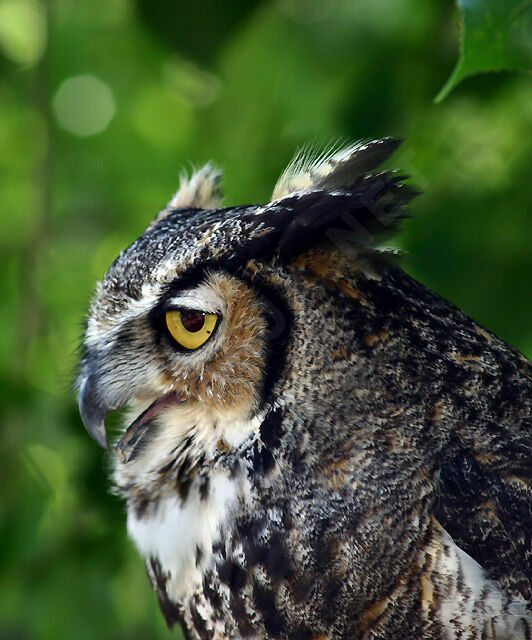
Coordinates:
(200, 320)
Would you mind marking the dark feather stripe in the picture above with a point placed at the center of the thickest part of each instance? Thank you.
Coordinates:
(158, 580)
(364, 160)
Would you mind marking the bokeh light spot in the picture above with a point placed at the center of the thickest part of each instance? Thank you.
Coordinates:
(22, 30)
(84, 105)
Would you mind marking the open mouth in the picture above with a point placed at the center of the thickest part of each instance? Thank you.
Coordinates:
(141, 431)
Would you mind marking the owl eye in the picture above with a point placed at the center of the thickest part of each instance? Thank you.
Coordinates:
(190, 329)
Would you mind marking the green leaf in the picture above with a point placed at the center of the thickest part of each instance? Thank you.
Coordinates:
(496, 35)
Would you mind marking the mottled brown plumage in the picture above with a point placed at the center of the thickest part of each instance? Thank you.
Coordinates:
(347, 455)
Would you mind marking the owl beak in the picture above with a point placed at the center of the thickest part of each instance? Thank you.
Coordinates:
(95, 405)
(93, 411)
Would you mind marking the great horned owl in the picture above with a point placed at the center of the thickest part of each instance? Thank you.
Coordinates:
(318, 446)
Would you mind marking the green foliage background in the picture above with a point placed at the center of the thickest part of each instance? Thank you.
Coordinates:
(244, 84)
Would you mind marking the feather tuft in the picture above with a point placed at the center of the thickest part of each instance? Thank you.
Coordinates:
(201, 191)
(333, 168)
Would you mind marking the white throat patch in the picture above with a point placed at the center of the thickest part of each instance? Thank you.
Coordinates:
(179, 532)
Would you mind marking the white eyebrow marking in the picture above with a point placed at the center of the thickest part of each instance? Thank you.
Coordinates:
(202, 298)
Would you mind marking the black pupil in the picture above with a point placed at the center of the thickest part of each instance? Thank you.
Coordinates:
(192, 320)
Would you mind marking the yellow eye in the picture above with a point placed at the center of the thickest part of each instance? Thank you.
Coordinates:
(191, 329)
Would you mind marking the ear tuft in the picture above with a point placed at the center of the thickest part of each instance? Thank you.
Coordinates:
(201, 191)
(334, 168)
(336, 198)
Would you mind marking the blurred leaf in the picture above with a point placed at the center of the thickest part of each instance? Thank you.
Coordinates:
(496, 35)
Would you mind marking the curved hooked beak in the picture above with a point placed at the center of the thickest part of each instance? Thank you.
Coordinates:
(94, 407)
(94, 410)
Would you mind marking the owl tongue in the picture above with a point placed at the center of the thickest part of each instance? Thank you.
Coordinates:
(139, 433)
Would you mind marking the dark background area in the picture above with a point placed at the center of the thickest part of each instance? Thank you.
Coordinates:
(102, 104)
